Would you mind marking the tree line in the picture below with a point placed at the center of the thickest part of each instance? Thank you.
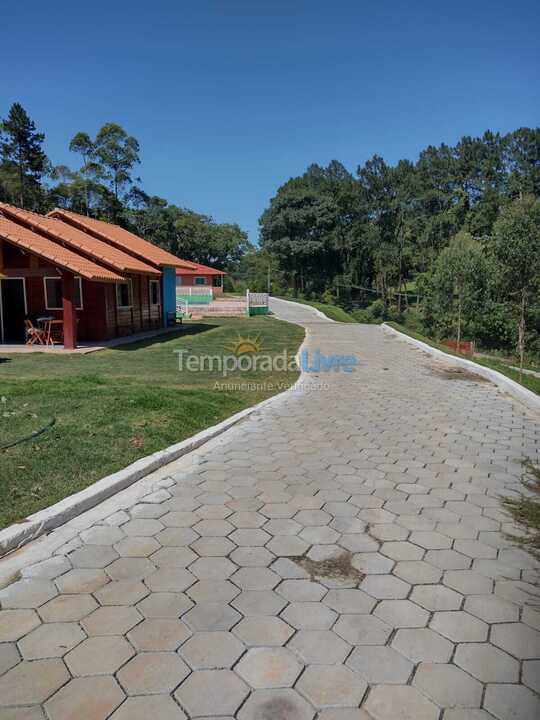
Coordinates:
(105, 186)
(449, 243)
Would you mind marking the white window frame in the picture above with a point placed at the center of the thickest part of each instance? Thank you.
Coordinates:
(199, 277)
(150, 283)
(56, 277)
(128, 282)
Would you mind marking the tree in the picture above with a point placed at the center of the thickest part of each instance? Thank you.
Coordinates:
(517, 249)
(24, 161)
(117, 153)
(459, 281)
(89, 172)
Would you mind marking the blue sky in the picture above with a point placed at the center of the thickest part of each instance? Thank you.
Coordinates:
(229, 99)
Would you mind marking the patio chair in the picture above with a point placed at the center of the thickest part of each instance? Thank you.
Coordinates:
(34, 335)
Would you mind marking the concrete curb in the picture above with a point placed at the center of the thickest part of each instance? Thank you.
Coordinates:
(15, 536)
(517, 391)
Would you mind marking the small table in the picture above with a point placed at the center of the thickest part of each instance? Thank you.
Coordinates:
(50, 324)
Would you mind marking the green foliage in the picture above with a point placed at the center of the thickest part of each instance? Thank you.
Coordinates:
(23, 161)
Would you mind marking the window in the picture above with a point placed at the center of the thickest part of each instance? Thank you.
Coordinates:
(154, 292)
(53, 293)
(124, 294)
(200, 281)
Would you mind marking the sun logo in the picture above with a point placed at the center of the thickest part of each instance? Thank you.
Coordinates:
(243, 345)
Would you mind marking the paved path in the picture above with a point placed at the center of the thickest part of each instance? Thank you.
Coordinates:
(403, 599)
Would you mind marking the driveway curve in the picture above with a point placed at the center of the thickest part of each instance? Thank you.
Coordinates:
(341, 554)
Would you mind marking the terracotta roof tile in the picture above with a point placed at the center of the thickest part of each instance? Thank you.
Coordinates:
(55, 253)
(120, 238)
(79, 240)
(199, 269)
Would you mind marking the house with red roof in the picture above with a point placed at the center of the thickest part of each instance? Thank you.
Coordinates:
(92, 280)
(198, 284)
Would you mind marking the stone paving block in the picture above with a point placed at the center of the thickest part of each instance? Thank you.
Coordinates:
(467, 714)
(47, 569)
(82, 581)
(309, 616)
(213, 591)
(211, 616)
(385, 587)
(468, 582)
(448, 559)
(372, 563)
(111, 620)
(430, 540)
(93, 556)
(401, 614)
(213, 528)
(14, 624)
(160, 707)
(170, 579)
(283, 704)
(9, 657)
(212, 650)
(448, 686)
(172, 537)
(491, 608)
(252, 557)
(159, 634)
(383, 701)
(164, 605)
(212, 692)
(93, 698)
(213, 547)
(255, 578)
(362, 629)
(319, 647)
(301, 590)
(121, 592)
(531, 674)
(459, 626)
(436, 597)
(331, 686)
(343, 714)
(152, 673)
(263, 602)
(517, 639)
(101, 655)
(144, 527)
(27, 594)
(402, 550)
(68, 608)
(264, 668)
(263, 630)
(101, 535)
(31, 683)
(380, 665)
(348, 600)
(512, 702)
(51, 640)
(130, 568)
(287, 545)
(422, 645)
(487, 663)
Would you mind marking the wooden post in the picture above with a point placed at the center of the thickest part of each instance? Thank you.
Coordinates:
(69, 310)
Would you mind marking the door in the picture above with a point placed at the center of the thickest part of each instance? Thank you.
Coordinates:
(13, 310)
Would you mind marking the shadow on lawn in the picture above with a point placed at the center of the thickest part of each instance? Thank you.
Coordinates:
(193, 329)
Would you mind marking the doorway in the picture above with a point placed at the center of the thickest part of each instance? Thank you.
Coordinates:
(12, 310)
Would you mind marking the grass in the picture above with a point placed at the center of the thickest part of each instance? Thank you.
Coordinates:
(528, 381)
(526, 510)
(334, 312)
(115, 406)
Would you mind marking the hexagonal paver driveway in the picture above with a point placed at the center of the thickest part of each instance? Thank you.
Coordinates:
(338, 555)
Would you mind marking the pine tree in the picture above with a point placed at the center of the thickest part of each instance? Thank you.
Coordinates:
(22, 155)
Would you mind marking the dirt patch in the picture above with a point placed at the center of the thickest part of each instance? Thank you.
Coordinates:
(339, 567)
(454, 373)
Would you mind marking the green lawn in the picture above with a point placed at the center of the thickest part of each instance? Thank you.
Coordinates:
(529, 381)
(115, 406)
(334, 312)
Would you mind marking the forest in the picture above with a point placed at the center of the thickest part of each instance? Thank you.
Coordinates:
(105, 185)
(448, 245)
